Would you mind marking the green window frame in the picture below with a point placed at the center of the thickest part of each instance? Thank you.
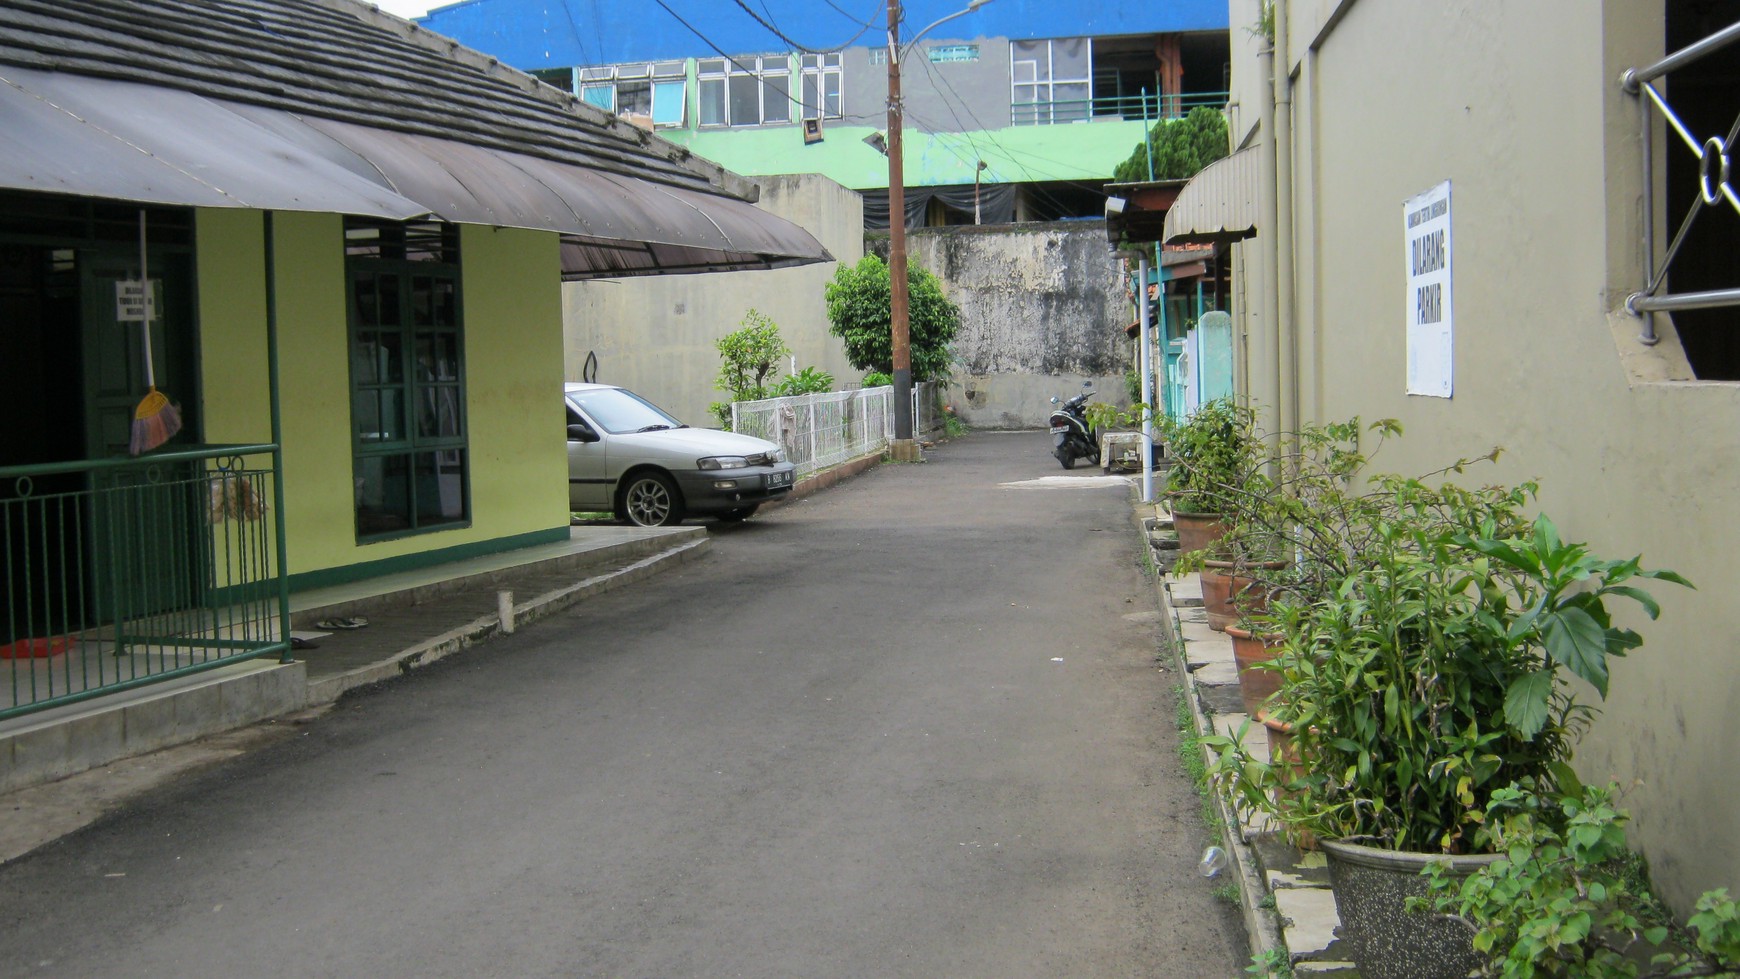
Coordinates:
(410, 452)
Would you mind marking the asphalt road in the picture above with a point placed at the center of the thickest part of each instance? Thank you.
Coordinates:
(911, 726)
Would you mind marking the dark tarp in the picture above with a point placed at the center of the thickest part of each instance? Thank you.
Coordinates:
(996, 204)
(96, 137)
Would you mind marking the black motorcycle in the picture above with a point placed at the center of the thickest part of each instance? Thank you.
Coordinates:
(1072, 437)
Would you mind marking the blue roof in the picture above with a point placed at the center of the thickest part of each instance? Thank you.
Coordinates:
(531, 34)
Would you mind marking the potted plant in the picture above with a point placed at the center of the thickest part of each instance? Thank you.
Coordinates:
(1425, 668)
(1213, 452)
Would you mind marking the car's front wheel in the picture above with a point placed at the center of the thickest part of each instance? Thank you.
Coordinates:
(650, 500)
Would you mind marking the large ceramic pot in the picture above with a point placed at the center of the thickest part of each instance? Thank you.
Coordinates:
(1225, 591)
(1386, 942)
(1249, 649)
(1197, 530)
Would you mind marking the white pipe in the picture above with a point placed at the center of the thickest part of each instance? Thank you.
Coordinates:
(1286, 321)
(1144, 365)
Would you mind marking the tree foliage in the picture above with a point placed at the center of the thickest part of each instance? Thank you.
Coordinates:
(859, 301)
(749, 356)
(1181, 147)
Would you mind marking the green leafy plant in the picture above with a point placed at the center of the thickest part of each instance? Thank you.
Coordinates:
(810, 380)
(748, 357)
(859, 301)
(953, 426)
(1566, 901)
(1273, 963)
(1429, 636)
(1215, 457)
(1180, 148)
(877, 379)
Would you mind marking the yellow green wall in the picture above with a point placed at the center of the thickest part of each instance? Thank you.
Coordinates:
(512, 298)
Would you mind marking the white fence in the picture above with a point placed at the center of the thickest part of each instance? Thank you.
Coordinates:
(821, 430)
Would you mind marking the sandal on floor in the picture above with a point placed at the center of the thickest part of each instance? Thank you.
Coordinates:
(338, 624)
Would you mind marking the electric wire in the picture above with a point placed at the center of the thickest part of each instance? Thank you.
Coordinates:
(772, 28)
(1023, 160)
(797, 99)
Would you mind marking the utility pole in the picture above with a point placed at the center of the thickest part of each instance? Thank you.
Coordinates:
(903, 449)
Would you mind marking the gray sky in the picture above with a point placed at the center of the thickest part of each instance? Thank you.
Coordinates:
(408, 8)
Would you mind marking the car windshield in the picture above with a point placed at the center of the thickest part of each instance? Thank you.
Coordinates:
(618, 411)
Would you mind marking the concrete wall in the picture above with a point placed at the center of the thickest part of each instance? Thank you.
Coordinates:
(1391, 98)
(656, 335)
(1043, 308)
(962, 96)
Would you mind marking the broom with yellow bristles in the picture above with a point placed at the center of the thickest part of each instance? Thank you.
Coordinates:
(155, 421)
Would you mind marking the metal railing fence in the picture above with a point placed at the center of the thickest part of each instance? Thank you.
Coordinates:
(1147, 107)
(1714, 183)
(821, 430)
(927, 413)
(124, 572)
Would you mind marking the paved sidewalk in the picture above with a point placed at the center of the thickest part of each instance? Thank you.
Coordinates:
(416, 619)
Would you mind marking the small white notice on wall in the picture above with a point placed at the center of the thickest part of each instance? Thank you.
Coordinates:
(1426, 230)
(134, 303)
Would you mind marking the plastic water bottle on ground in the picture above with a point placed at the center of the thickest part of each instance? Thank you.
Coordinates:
(1214, 860)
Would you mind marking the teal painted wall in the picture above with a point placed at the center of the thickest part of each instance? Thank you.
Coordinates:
(1018, 154)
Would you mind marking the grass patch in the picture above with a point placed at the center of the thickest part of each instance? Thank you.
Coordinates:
(1190, 756)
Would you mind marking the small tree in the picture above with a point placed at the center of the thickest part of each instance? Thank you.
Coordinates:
(1181, 147)
(748, 358)
(859, 311)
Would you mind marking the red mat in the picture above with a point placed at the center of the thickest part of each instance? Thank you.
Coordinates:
(34, 648)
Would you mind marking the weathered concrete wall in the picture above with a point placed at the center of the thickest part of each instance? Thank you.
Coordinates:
(1042, 310)
(656, 335)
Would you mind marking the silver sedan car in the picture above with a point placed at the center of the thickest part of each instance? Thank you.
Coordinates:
(627, 456)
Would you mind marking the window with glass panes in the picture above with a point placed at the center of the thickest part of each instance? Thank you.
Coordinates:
(407, 378)
(650, 89)
(747, 91)
(1050, 81)
(821, 86)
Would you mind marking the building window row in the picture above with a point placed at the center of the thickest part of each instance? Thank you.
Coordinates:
(654, 91)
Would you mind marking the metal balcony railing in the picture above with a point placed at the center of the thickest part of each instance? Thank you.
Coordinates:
(1715, 186)
(1147, 107)
(125, 572)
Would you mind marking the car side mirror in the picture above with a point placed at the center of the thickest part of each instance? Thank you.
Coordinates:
(581, 433)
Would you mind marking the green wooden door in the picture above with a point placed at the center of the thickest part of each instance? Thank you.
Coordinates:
(145, 550)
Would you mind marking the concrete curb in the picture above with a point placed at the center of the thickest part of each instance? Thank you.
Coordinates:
(1262, 926)
(329, 689)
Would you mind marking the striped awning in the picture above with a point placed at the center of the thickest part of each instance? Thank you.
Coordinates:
(88, 136)
(1219, 204)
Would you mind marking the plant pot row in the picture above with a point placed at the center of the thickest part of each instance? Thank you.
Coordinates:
(1422, 599)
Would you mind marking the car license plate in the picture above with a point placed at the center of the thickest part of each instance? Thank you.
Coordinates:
(1059, 429)
(776, 480)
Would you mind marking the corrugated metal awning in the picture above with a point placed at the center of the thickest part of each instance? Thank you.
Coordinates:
(97, 137)
(1218, 204)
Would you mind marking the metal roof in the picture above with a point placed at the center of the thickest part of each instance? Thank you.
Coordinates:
(1218, 204)
(330, 105)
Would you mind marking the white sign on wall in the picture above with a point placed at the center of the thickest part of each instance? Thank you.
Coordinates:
(1426, 230)
(133, 302)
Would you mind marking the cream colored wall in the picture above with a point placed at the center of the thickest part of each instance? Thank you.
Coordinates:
(1518, 106)
(656, 335)
(512, 311)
